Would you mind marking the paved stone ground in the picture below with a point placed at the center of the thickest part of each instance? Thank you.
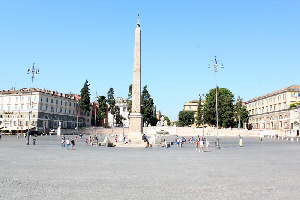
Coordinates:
(267, 170)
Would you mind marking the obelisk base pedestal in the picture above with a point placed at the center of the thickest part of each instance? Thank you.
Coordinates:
(135, 128)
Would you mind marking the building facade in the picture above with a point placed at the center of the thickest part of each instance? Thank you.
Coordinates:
(272, 111)
(122, 104)
(40, 110)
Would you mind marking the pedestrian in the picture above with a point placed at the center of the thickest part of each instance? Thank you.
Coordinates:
(0, 136)
(207, 145)
(201, 145)
(62, 142)
(197, 145)
(68, 144)
(241, 142)
(144, 137)
(73, 143)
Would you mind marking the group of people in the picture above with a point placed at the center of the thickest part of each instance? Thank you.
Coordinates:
(199, 144)
(92, 140)
(67, 142)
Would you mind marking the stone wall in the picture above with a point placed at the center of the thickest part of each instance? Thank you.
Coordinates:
(180, 131)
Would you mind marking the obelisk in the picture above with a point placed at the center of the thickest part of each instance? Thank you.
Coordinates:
(135, 117)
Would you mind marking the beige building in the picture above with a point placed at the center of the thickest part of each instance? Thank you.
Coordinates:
(40, 110)
(272, 111)
(193, 106)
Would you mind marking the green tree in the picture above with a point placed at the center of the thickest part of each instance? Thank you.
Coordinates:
(240, 112)
(84, 102)
(167, 120)
(119, 118)
(129, 99)
(225, 108)
(200, 112)
(147, 107)
(111, 103)
(185, 118)
(102, 110)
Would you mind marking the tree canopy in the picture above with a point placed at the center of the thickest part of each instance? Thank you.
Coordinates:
(185, 118)
(147, 108)
(200, 112)
(240, 112)
(225, 108)
(102, 110)
(84, 102)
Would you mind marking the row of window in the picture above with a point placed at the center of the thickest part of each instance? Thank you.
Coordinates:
(267, 109)
(269, 100)
(61, 102)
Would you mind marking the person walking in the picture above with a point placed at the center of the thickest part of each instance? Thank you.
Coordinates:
(207, 145)
(197, 144)
(62, 142)
(201, 144)
(73, 143)
(68, 144)
(241, 142)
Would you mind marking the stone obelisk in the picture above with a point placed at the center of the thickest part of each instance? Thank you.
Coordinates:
(135, 117)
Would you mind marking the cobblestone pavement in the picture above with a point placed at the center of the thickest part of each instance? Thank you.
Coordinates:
(267, 170)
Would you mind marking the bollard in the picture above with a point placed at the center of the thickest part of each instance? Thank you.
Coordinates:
(33, 141)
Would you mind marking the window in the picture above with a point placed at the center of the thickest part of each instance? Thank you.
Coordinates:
(65, 103)
(284, 105)
(47, 99)
(279, 106)
(16, 107)
(266, 101)
(46, 108)
(60, 102)
(274, 99)
(16, 99)
(8, 108)
(51, 101)
(9, 99)
(56, 102)
(279, 97)
(270, 108)
(284, 96)
(41, 99)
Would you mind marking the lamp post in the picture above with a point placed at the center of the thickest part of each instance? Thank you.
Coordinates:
(34, 71)
(77, 110)
(217, 114)
(202, 116)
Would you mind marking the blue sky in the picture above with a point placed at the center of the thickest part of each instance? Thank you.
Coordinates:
(71, 41)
